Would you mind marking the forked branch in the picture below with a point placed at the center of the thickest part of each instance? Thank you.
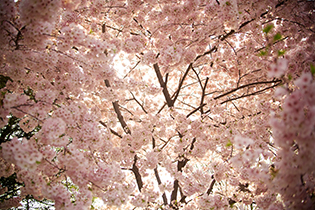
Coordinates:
(163, 85)
(134, 169)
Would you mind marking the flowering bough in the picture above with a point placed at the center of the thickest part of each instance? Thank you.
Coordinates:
(157, 104)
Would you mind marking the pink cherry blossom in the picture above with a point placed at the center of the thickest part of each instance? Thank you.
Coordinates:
(157, 104)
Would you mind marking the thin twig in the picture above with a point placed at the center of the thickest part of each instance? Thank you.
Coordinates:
(134, 98)
(244, 86)
(181, 83)
(111, 130)
(251, 94)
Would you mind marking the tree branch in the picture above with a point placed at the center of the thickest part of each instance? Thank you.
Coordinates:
(251, 94)
(181, 83)
(157, 176)
(244, 86)
(135, 170)
(211, 187)
(203, 95)
(118, 113)
(138, 103)
(111, 130)
(223, 37)
(160, 182)
(245, 23)
(163, 85)
(195, 110)
(180, 164)
(174, 192)
(206, 53)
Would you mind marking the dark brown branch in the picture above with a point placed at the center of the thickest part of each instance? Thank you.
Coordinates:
(223, 37)
(181, 83)
(195, 110)
(121, 118)
(132, 69)
(188, 104)
(54, 165)
(231, 47)
(279, 4)
(163, 85)
(174, 192)
(118, 113)
(134, 98)
(177, 92)
(180, 164)
(211, 187)
(244, 75)
(206, 53)
(166, 78)
(135, 170)
(213, 92)
(157, 176)
(119, 30)
(198, 78)
(153, 142)
(182, 200)
(161, 108)
(245, 23)
(251, 94)
(127, 110)
(160, 182)
(203, 95)
(244, 86)
(165, 143)
(19, 35)
(192, 144)
(111, 130)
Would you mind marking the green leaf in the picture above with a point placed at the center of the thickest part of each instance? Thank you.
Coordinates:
(273, 171)
(289, 76)
(281, 52)
(268, 28)
(37, 162)
(277, 37)
(93, 199)
(312, 69)
(229, 143)
(263, 53)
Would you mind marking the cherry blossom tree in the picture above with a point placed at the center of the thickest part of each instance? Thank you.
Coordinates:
(166, 104)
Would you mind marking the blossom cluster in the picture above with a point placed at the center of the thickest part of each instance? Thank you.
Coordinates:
(158, 104)
(22, 154)
(293, 129)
